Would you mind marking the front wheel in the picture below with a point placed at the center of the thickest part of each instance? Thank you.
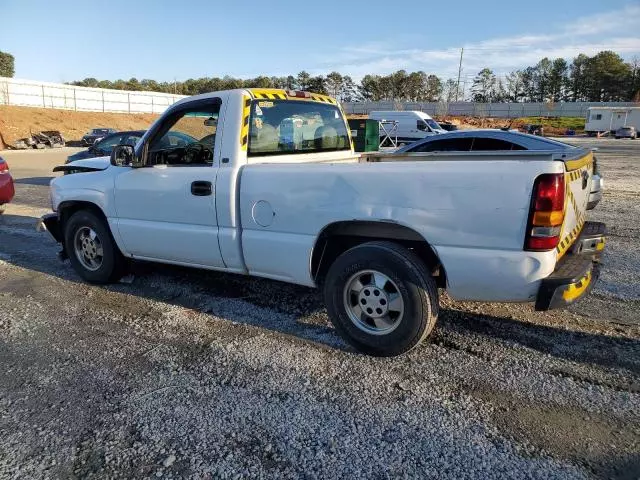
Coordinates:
(91, 248)
(381, 298)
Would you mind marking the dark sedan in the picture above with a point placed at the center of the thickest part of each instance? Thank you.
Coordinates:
(104, 146)
(96, 134)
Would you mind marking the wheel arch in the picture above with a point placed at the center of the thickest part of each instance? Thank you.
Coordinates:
(337, 237)
(68, 207)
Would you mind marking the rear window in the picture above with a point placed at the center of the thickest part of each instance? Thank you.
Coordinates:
(489, 144)
(280, 127)
(444, 145)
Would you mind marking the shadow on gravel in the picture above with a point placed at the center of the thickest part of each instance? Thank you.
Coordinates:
(42, 181)
(581, 347)
(208, 291)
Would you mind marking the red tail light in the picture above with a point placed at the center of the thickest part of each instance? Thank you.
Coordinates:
(547, 213)
(4, 166)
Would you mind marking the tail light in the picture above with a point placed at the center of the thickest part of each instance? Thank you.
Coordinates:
(547, 213)
(4, 166)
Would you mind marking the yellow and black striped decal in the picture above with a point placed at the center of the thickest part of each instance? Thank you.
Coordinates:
(268, 93)
(570, 201)
(568, 240)
(579, 163)
(279, 94)
(323, 98)
(244, 130)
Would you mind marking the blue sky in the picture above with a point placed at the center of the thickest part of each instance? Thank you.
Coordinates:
(65, 40)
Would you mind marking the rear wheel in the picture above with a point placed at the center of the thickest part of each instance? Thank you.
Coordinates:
(91, 248)
(381, 298)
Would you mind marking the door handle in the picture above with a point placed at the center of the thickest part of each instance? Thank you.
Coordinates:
(201, 188)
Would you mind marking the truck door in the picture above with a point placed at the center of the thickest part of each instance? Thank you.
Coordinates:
(166, 209)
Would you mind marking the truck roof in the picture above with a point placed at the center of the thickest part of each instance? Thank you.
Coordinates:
(267, 94)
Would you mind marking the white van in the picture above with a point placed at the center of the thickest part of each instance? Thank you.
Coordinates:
(412, 125)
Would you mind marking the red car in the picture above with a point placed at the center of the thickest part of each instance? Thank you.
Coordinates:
(6, 185)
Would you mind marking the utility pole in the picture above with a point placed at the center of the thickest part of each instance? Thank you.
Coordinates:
(459, 71)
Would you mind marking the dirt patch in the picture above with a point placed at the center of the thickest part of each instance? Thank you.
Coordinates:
(602, 443)
(18, 122)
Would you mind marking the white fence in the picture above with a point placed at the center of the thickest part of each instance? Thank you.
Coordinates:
(500, 110)
(59, 95)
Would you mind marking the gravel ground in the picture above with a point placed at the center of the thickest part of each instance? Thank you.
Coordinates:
(184, 373)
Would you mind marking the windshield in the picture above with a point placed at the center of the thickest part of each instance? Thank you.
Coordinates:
(433, 124)
(99, 131)
(279, 127)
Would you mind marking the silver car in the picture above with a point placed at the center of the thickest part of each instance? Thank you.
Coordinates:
(627, 132)
(500, 140)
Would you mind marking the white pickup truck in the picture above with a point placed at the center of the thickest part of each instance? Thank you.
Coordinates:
(270, 186)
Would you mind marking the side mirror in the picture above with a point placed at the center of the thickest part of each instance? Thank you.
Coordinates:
(123, 156)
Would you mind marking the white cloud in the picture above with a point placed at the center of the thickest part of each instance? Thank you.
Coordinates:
(617, 30)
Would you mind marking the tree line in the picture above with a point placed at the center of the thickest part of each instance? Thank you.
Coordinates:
(600, 78)
(605, 77)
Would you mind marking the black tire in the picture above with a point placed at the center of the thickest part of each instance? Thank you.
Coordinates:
(112, 264)
(414, 283)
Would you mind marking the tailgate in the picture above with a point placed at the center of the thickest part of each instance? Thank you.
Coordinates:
(577, 179)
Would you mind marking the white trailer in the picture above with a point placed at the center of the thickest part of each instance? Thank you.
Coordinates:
(609, 119)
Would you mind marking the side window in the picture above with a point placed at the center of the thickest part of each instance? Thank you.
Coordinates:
(596, 116)
(484, 144)
(108, 143)
(186, 138)
(131, 140)
(444, 145)
(422, 125)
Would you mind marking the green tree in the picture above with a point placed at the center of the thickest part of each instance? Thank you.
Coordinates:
(303, 80)
(433, 89)
(318, 85)
(558, 79)
(370, 88)
(334, 83)
(483, 86)
(578, 78)
(610, 77)
(514, 86)
(7, 65)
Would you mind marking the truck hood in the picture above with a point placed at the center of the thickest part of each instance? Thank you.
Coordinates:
(86, 165)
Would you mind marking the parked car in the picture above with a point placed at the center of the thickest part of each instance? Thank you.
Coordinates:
(627, 132)
(96, 134)
(105, 145)
(281, 194)
(7, 190)
(501, 140)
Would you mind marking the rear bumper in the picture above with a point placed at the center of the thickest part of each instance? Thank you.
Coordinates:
(577, 272)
